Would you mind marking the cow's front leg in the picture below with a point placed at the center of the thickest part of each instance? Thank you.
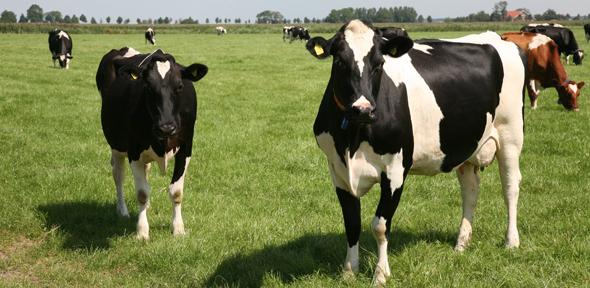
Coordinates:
(139, 170)
(390, 195)
(351, 210)
(118, 165)
(468, 176)
(176, 191)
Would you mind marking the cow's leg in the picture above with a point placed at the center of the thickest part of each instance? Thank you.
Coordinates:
(176, 191)
(508, 160)
(351, 210)
(567, 59)
(139, 170)
(391, 192)
(533, 93)
(468, 175)
(118, 165)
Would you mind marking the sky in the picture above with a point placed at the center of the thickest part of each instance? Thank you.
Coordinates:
(247, 9)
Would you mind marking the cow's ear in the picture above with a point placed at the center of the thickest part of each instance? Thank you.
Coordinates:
(319, 47)
(580, 85)
(194, 72)
(396, 46)
(130, 72)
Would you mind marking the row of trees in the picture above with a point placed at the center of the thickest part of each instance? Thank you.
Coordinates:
(500, 13)
(381, 15)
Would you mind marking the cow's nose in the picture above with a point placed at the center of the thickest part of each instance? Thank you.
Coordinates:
(363, 109)
(168, 128)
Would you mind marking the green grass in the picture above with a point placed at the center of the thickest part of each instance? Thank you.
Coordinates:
(259, 207)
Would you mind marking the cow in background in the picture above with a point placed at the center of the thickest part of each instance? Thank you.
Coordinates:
(300, 33)
(150, 36)
(60, 46)
(587, 32)
(287, 32)
(220, 30)
(563, 37)
(545, 69)
(149, 109)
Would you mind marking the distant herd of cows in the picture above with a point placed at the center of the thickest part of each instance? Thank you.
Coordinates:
(393, 106)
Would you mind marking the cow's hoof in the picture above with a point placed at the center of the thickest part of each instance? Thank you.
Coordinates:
(460, 248)
(143, 236)
(178, 231)
(379, 279)
(123, 212)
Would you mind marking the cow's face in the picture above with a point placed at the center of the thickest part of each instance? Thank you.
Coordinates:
(578, 57)
(568, 93)
(162, 81)
(357, 51)
(64, 60)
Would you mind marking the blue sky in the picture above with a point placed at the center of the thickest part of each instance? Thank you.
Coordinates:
(247, 9)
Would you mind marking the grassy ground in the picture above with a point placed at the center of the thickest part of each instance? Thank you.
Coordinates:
(259, 207)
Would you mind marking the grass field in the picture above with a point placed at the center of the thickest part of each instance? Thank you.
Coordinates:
(259, 207)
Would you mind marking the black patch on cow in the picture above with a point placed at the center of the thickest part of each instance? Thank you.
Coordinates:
(351, 211)
(464, 96)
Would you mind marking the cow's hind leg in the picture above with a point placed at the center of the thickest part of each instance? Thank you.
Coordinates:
(468, 175)
(390, 195)
(533, 91)
(142, 188)
(118, 165)
(351, 210)
(176, 191)
(508, 160)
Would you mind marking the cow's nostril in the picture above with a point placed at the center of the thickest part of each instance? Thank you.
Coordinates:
(168, 129)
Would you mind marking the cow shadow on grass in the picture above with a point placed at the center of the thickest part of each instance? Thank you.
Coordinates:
(86, 226)
(309, 255)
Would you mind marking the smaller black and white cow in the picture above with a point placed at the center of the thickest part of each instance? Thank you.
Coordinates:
(287, 32)
(300, 33)
(562, 36)
(220, 30)
(149, 109)
(60, 46)
(587, 32)
(150, 36)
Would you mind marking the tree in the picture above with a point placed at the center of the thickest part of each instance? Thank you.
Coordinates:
(67, 19)
(35, 13)
(126, 21)
(75, 19)
(108, 19)
(499, 12)
(92, 20)
(429, 19)
(23, 19)
(83, 18)
(420, 19)
(138, 21)
(53, 16)
(207, 20)
(119, 20)
(237, 20)
(550, 14)
(8, 17)
(268, 16)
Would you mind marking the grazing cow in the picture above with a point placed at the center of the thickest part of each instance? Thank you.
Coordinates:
(148, 114)
(150, 36)
(287, 32)
(587, 32)
(300, 33)
(220, 30)
(60, 46)
(394, 107)
(563, 37)
(545, 69)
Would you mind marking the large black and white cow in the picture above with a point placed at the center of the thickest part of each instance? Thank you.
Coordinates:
(394, 107)
(562, 36)
(587, 32)
(150, 36)
(148, 114)
(60, 46)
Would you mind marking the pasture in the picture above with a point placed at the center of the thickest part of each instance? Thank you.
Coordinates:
(259, 207)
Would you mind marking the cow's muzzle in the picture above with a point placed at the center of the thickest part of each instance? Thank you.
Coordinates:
(165, 130)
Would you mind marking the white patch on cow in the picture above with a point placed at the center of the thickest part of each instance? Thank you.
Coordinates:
(539, 40)
(118, 169)
(62, 57)
(63, 34)
(382, 270)
(139, 169)
(361, 102)
(130, 53)
(360, 40)
(175, 192)
(364, 169)
(149, 29)
(351, 264)
(425, 115)
(574, 88)
(487, 145)
(422, 48)
(150, 155)
(163, 68)
(338, 170)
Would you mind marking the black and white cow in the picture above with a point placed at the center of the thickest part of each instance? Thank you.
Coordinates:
(287, 32)
(220, 30)
(60, 46)
(563, 37)
(298, 32)
(394, 107)
(587, 32)
(148, 114)
(150, 36)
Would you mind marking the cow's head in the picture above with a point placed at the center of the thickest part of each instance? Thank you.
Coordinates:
(163, 82)
(357, 52)
(64, 60)
(578, 56)
(569, 92)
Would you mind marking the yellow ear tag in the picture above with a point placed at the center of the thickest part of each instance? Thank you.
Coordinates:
(393, 51)
(318, 49)
(133, 76)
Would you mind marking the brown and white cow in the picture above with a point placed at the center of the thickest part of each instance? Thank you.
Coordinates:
(545, 68)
